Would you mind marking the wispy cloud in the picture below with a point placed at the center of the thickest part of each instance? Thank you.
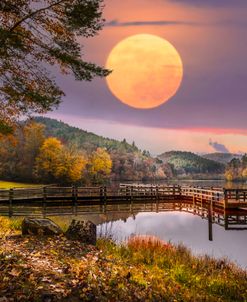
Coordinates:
(116, 23)
(218, 147)
(212, 3)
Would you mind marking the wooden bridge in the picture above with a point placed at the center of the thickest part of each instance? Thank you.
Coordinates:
(13, 201)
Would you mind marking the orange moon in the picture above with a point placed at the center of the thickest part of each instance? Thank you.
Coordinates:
(146, 71)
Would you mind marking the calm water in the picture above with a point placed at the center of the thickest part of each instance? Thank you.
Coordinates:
(186, 228)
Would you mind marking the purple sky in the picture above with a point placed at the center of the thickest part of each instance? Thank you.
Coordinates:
(211, 104)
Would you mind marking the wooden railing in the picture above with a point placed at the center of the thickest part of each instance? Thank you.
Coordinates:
(56, 196)
(203, 194)
(235, 196)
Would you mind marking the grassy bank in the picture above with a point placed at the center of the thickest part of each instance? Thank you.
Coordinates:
(144, 269)
(11, 184)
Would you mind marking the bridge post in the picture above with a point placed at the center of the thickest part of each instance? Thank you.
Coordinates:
(157, 192)
(180, 192)
(74, 199)
(237, 195)
(131, 194)
(225, 198)
(44, 201)
(105, 194)
(226, 222)
(173, 192)
(210, 221)
(101, 193)
(11, 195)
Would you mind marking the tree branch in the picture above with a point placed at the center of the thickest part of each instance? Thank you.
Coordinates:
(34, 13)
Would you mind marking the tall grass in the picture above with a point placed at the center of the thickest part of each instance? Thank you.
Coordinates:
(175, 270)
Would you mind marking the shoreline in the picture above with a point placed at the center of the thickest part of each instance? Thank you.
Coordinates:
(144, 269)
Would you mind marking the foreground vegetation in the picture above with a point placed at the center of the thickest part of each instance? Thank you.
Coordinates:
(143, 269)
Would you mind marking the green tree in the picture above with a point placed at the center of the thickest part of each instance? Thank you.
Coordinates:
(34, 34)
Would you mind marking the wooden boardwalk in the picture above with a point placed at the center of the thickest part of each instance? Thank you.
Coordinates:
(13, 200)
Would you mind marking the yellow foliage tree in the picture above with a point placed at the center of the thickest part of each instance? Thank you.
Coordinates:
(57, 163)
(71, 166)
(48, 159)
(244, 173)
(100, 163)
(229, 175)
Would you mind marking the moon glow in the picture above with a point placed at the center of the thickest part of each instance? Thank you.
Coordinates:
(146, 71)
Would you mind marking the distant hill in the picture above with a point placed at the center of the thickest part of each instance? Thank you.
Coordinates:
(223, 158)
(190, 163)
(81, 138)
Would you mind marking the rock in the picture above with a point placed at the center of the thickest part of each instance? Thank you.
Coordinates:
(40, 226)
(84, 231)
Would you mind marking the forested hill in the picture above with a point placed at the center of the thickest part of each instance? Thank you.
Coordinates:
(223, 158)
(190, 163)
(128, 162)
(81, 138)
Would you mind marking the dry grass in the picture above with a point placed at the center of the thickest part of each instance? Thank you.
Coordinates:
(147, 242)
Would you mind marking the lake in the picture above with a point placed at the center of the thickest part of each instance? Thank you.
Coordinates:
(178, 223)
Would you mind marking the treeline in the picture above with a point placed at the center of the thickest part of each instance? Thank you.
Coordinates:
(82, 139)
(46, 153)
(29, 155)
(237, 169)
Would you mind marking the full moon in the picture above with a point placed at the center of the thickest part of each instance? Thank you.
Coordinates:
(146, 71)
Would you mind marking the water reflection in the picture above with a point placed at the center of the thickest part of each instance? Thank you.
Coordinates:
(209, 183)
(226, 218)
(183, 227)
(206, 230)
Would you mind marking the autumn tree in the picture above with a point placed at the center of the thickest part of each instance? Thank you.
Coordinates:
(100, 164)
(237, 169)
(48, 159)
(8, 156)
(19, 150)
(57, 163)
(71, 166)
(34, 35)
(33, 134)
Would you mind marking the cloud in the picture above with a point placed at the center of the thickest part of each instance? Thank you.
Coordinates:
(218, 147)
(116, 23)
(211, 3)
